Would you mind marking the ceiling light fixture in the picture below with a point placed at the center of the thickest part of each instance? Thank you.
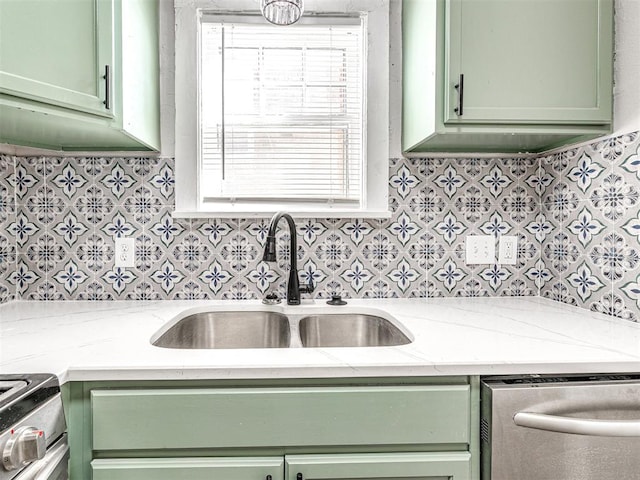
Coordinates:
(282, 12)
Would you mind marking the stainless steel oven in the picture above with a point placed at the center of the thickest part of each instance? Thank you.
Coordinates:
(33, 439)
(575, 427)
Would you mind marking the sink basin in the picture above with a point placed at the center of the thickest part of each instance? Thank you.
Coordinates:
(349, 330)
(233, 329)
(227, 329)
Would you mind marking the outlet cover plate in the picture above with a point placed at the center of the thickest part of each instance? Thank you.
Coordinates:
(480, 250)
(508, 250)
(125, 253)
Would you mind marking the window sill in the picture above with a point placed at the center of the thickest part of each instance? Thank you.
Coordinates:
(253, 213)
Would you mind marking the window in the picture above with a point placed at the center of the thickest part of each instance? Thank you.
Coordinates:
(280, 117)
(281, 111)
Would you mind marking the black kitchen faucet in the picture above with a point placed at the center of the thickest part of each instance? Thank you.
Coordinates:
(293, 285)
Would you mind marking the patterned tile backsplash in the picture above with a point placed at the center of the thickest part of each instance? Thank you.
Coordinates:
(576, 215)
(591, 216)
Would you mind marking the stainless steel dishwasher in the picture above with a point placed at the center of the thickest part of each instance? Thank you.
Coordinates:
(571, 427)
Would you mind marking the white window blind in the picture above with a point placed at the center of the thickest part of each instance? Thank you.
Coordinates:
(281, 111)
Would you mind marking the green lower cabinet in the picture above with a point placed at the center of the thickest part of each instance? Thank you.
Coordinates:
(392, 466)
(383, 429)
(250, 468)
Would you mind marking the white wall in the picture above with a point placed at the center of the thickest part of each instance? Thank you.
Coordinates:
(395, 79)
(167, 78)
(627, 67)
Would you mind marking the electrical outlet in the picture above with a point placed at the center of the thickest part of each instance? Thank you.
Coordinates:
(480, 250)
(125, 253)
(508, 250)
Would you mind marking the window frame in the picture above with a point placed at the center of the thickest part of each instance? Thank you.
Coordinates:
(374, 204)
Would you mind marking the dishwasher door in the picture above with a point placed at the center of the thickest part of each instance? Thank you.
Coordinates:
(561, 428)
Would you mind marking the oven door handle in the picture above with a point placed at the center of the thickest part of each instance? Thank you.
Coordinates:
(43, 469)
(578, 426)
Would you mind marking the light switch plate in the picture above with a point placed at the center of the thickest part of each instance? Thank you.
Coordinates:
(508, 250)
(480, 250)
(125, 253)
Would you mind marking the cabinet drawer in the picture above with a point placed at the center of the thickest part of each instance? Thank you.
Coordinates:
(279, 417)
(381, 466)
(240, 468)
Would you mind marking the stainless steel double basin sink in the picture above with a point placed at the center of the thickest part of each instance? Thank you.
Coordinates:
(270, 329)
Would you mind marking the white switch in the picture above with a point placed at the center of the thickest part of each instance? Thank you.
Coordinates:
(125, 253)
(508, 250)
(480, 249)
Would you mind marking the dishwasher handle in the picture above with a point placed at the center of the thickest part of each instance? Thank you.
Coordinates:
(578, 426)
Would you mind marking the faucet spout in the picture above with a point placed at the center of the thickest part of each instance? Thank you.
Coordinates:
(293, 285)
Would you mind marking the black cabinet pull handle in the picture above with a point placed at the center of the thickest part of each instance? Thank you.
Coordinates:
(299, 476)
(460, 88)
(107, 87)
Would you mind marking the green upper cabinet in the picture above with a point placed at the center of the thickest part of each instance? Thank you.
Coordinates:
(79, 74)
(505, 75)
(36, 62)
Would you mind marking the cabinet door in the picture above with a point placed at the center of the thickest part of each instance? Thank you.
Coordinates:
(56, 51)
(249, 468)
(395, 466)
(529, 61)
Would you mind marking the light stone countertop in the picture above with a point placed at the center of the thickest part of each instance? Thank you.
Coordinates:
(87, 341)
